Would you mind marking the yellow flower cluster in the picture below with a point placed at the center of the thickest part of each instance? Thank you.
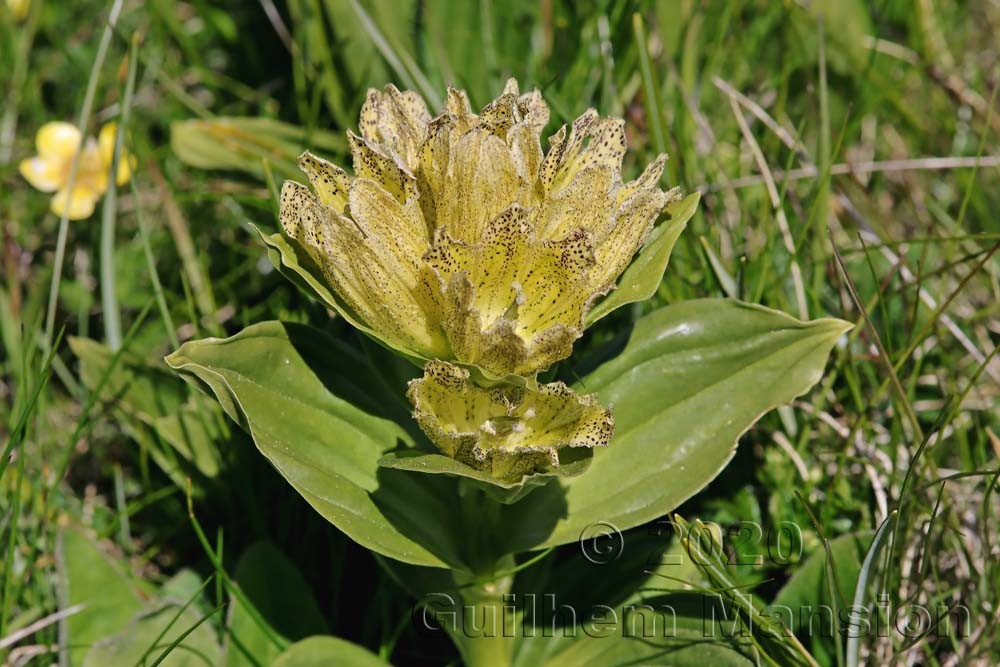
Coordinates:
(460, 242)
(58, 144)
(458, 239)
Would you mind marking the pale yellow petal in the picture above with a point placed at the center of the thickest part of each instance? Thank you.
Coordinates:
(586, 202)
(125, 169)
(457, 105)
(106, 139)
(526, 149)
(76, 207)
(506, 431)
(504, 254)
(395, 120)
(58, 140)
(536, 112)
(481, 182)
(557, 286)
(500, 115)
(388, 171)
(44, 175)
(460, 319)
(432, 167)
(92, 171)
(493, 266)
(395, 230)
(330, 182)
(649, 178)
(549, 346)
(632, 224)
(387, 289)
(592, 141)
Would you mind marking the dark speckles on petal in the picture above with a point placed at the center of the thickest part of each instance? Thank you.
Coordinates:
(505, 431)
(458, 238)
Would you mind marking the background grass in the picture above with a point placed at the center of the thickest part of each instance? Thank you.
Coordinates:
(812, 128)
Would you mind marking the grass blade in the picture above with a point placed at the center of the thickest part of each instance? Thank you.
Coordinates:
(853, 637)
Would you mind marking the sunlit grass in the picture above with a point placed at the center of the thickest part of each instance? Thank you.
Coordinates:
(848, 167)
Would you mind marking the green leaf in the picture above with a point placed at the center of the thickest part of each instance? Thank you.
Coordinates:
(283, 599)
(244, 144)
(298, 392)
(92, 579)
(323, 651)
(573, 461)
(155, 406)
(683, 629)
(147, 635)
(691, 380)
(641, 279)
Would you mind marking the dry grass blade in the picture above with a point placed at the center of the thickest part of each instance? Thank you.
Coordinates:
(866, 167)
(40, 624)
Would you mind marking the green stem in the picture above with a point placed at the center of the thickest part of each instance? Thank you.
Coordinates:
(85, 111)
(109, 297)
(109, 300)
(484, 634)
(488, 633)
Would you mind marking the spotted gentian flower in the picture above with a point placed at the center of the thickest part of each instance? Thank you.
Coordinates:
(459, 239)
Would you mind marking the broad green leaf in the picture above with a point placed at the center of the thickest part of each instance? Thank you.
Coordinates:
(300, 394)
(244, 144)
(91, 579)
(621, 582)
(683, 629)
(641, 279)
(282, 598)
(183, 586)
(573, 461)
(149, 635)
(324, 651)
(691, 380)
(155, 405)
(618, 572)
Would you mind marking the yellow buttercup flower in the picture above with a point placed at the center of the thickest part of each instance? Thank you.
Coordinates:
(459, 239)
(57, 144)
(506, 431)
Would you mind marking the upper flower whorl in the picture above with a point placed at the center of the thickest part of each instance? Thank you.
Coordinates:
(458, 239)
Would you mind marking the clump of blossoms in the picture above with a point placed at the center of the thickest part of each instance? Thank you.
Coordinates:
(460, 242)
(58, 144)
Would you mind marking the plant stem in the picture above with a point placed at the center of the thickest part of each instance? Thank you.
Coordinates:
(85, 111)
(483, 633)
(109, 298)
(489, 642)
